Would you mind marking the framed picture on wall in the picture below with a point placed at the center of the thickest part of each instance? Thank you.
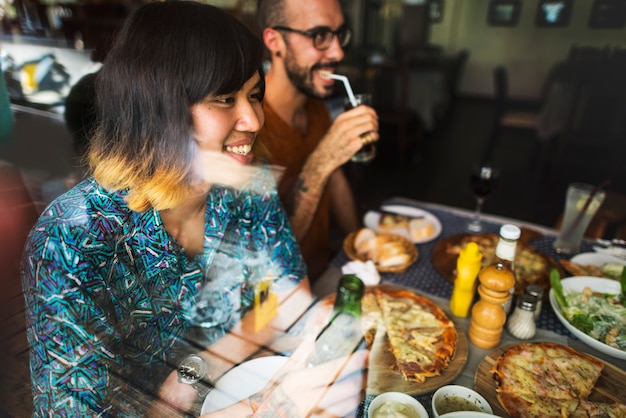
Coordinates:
(435, 11)
(503, 12)
(608, 14)
(553, 13)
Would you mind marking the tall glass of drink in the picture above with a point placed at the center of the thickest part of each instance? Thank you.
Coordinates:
(580, 206)
(367, 151)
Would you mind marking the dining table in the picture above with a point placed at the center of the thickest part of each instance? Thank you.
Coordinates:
(423, 278)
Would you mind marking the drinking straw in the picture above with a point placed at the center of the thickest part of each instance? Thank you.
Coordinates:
(580, 215)
(346, 85)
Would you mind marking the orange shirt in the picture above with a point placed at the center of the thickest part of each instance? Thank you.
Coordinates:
(289, 148)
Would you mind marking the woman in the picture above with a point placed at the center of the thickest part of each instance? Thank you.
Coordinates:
(115, 269)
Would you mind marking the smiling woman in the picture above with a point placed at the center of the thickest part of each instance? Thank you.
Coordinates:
(159, 242)
(182, 78)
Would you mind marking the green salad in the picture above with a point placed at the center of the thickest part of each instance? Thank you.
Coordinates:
(599, 315)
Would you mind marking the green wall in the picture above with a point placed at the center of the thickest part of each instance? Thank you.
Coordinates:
(528, 51)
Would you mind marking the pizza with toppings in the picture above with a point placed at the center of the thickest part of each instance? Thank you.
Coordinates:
(421, 337)
(581, 269)
(550, 380)
(415, 348)
(531, 266)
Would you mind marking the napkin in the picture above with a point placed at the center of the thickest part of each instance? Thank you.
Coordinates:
(365, 270)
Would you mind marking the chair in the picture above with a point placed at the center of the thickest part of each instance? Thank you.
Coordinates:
(454, 71)
(593, 143)
(589, 55)
(507, 117)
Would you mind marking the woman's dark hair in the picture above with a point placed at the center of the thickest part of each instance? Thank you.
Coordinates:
(167, 57)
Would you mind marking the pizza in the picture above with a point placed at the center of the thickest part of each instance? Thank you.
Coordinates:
(531, 266)
(582, 269)
(421, 337)
(414, 331)
(550, 380)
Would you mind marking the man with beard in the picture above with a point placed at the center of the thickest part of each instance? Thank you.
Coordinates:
(306, 39)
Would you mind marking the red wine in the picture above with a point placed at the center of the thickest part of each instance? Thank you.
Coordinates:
(483, 181)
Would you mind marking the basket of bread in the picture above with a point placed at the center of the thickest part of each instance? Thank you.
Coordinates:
(391, 253)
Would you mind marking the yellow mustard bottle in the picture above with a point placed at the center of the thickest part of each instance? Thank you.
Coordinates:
(467, 267)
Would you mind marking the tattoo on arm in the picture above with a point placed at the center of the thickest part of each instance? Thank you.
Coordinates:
(301, 186)
(295, 196)
(277, 405)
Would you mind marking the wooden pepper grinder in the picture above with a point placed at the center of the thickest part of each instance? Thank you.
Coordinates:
(488, 315)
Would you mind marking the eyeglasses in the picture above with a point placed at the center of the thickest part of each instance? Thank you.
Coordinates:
(322, 37)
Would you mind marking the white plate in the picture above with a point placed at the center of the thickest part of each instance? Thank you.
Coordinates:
(597, 284)
(614, 251)
(596, 259)
(242, 381)
(371, 219)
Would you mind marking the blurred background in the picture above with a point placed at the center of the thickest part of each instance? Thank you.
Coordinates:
(536, 87)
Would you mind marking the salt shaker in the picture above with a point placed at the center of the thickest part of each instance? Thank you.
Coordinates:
(537, 292)
(522, 322)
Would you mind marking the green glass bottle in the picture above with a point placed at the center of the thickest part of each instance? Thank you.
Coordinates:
(341, 336)
(349, 293)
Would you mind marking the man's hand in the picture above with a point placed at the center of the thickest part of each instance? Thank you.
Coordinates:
(345, 136)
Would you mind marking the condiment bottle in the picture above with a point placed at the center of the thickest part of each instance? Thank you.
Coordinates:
(342, 334)
(488, 315)
(467, 268)
(505, 254)
(537, 292)
(522, 321)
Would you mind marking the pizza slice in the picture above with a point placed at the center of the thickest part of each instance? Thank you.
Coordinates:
(421, 337)
(522, 370)
(580, 372)
(600, 409)
(547, 379)
(536, 406)
(581, 269)
(371, 316)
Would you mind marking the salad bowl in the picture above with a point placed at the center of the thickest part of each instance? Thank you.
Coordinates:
(577, 285)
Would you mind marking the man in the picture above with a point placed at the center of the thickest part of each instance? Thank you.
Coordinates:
(306, 39)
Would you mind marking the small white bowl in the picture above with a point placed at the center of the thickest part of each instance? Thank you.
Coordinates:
(469, 414)
(403, 398)
(462, 392)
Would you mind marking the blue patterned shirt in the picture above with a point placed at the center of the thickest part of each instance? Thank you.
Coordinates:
(109, 292)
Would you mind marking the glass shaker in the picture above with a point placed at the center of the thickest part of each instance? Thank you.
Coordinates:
(522, 322)
(537, 292)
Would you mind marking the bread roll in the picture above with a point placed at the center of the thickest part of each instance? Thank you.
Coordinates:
(385, 250)
(390, 221)
(396, 260)
(420, 229)
(363, 240)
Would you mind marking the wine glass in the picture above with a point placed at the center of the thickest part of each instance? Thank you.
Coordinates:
(483, 179)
